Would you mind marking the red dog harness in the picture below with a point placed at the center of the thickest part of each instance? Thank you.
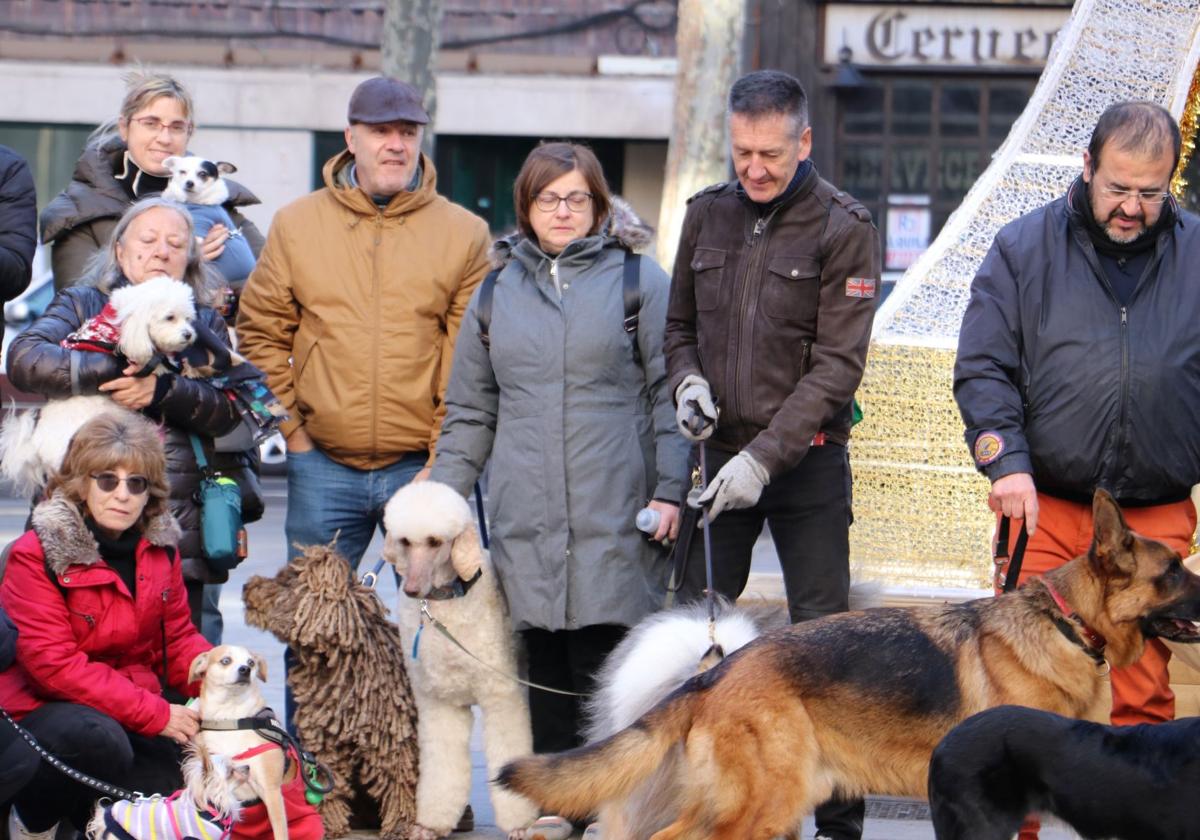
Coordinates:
(304, 823)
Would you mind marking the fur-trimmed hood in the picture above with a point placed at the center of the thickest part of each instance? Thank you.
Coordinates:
(66, 540)
(623, 228)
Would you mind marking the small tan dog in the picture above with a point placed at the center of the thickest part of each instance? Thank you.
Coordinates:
(229, 693)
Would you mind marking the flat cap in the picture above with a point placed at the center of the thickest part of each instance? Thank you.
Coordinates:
(383, 99)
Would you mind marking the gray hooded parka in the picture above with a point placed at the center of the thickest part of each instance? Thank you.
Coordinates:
(580, 436)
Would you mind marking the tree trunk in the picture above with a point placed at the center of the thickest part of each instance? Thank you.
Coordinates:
(709, 46)
(409, 45)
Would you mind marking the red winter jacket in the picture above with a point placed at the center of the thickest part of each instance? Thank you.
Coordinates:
(98, 647)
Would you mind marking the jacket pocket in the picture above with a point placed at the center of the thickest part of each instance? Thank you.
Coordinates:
(791, 289)
(708, 266)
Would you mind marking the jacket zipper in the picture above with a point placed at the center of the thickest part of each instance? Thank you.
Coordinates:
(91, 622)
(748, 310)
(805, 356)
(374, 442)
(1123, 416)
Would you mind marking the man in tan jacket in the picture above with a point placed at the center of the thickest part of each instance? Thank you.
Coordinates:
(352, 313)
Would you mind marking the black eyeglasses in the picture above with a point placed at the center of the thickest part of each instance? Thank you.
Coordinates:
(135, 484)
(577, 201)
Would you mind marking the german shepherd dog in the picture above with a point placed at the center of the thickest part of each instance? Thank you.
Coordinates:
(1123, 782)
(855, 703)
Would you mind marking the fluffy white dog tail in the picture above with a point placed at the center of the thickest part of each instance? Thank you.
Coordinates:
(18, 457)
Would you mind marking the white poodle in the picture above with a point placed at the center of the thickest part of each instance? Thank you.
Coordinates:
(152, 318)
(432, 542)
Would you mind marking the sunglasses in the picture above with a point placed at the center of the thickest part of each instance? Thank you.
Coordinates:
(135, 484)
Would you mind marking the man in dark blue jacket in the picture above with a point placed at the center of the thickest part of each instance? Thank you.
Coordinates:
(18, 225)
(1079, 365)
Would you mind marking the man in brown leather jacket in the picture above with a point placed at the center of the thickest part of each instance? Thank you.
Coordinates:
(770, 314)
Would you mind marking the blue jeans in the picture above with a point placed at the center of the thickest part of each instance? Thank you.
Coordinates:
(327, 500)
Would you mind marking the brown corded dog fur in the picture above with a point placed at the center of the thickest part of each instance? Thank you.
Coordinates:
(855, 703)
(354, 706)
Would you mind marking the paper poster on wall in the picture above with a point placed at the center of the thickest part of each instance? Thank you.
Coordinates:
(908, 228)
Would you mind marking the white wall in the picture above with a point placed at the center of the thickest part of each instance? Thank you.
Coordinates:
(261, 120)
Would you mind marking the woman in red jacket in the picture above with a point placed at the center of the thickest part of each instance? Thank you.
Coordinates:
(97, 595)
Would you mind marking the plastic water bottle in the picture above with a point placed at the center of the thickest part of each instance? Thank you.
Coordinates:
(647, 520)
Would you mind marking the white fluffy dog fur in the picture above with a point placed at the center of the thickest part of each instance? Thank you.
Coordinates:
(432, 541)
(153, 316)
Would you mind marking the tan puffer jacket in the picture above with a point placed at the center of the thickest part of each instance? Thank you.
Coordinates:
(352, 313)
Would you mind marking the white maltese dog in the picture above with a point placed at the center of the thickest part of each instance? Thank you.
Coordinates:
(150, 322)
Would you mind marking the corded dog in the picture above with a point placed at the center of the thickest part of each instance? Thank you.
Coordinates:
(235, 721)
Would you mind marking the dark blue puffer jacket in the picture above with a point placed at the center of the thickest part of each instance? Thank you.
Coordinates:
(1077, 389)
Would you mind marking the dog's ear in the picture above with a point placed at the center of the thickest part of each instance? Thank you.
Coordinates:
(466, 554)
(260, 665)
(199, 666)
(225, 167)
(171, 162)
(135, 341)
(1111, 539)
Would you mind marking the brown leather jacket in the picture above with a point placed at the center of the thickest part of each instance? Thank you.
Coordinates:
(762, 307)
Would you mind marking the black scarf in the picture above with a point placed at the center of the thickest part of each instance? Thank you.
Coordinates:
(765, 207)
(1081, 203)
(136, 182)
(119, 552)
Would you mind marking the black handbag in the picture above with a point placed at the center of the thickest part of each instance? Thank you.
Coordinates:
(222, 535)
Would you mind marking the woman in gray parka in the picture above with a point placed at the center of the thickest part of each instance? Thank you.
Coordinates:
(580, 428)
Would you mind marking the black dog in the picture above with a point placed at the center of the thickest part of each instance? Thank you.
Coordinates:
(1122, 782)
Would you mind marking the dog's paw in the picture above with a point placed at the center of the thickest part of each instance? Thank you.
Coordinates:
(420, 832)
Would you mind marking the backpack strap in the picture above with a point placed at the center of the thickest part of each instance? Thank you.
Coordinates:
(483, 311)
(631, 292)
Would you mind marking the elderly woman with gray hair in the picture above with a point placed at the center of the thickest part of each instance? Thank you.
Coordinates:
(153, 237)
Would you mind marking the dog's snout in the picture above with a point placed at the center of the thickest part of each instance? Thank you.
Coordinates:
(188, 335)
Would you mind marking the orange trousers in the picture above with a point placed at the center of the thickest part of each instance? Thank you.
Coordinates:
(1141, 692)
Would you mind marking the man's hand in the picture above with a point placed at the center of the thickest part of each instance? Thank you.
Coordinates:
(132, 392)
(423, 475)
(1015, 496)
(695, 412)
(182, 725)
(213, 243)
(299, 441)
(738, 484)
(668, 520)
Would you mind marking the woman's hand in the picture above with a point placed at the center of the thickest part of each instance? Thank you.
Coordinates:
(183, 724)
(668, 523)
(132, 392)
(213, 243)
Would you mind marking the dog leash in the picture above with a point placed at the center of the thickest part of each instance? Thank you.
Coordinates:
(265, 725)
(1008, 571)
(78, 775)
(696, 424)
(445, 631)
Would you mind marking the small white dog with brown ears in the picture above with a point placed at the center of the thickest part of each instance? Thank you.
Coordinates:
(433, 544)
(148, 320)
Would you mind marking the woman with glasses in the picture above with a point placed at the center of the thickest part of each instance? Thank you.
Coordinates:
(123, 162)
(96, 592)
(154, 237)
(573, 411)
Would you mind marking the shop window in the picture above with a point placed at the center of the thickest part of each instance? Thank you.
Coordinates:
(911, 147)
(51, 150)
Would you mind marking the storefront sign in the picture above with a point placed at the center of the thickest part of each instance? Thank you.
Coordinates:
(908, 226)
(941, 36)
